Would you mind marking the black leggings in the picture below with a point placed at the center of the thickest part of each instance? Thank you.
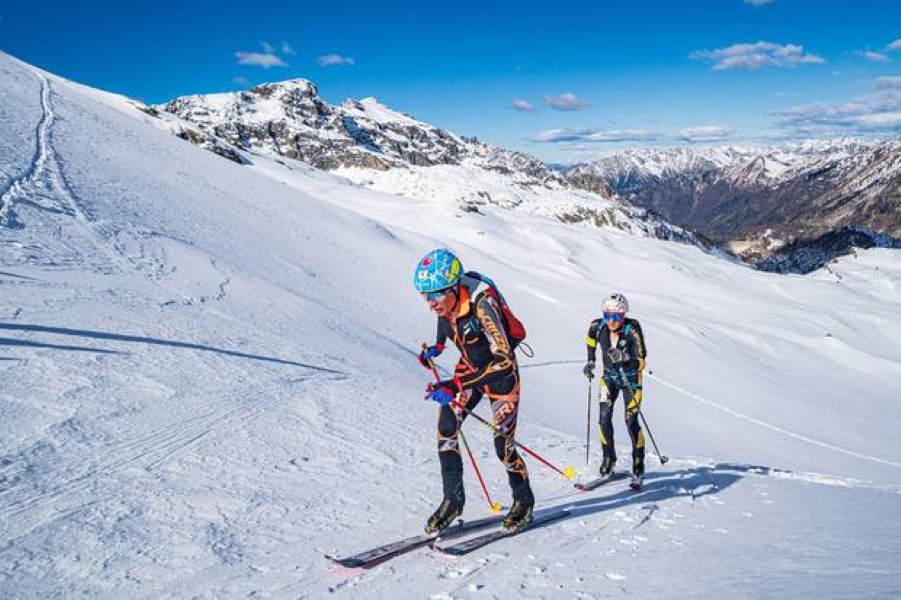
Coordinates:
(605, 421)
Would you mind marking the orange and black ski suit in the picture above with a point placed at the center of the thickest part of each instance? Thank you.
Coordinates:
(487, 366)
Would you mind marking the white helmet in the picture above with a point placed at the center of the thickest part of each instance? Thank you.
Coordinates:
(616, 303)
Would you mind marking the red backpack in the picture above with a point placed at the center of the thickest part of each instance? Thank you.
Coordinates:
(516, 331)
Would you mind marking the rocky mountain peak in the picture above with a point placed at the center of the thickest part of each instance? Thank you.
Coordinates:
(297, 87)
(290, 118)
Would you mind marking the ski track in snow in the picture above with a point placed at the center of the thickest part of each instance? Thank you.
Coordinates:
(45, 187)
(18, 187)
(28, 509)
(742, 416)
(772, 427)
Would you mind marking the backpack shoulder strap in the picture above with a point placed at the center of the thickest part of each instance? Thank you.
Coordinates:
(598, 329)
(488, 284)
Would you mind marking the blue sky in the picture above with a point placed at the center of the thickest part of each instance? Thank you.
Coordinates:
(564, 82)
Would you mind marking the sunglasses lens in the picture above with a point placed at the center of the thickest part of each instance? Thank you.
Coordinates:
(434, 296)
(613, 317)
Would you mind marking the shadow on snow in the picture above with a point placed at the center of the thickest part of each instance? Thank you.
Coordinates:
(118, 337)
(30, 344)
(659, 486)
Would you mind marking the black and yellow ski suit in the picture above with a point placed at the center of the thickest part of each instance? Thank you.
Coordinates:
(487, 366)
(630, 341)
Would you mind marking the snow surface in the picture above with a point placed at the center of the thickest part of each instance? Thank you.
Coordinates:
(371, 109)
(208, 381)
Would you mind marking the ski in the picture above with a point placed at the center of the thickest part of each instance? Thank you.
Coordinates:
(597, 482)
(375, 556)
(480, 541)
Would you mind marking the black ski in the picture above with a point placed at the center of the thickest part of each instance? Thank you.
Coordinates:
(480, 541)
(375, 556)
(591, 484)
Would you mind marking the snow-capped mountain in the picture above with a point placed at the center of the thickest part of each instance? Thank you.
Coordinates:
(290, 119)
(209, 381)
(374, 145)
(792, 194)
(635, 170)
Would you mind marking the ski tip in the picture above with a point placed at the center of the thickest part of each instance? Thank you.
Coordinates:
(569, 472)
(347, 563)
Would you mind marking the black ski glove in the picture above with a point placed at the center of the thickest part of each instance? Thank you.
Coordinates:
(588, 370)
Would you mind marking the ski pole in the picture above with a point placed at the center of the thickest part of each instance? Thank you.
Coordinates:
(588, 427)
(663, 457)
(568, 472)
(495, 506)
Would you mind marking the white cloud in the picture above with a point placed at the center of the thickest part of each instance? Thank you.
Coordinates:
(567, 136)
(328, 60)
(888, 83)
(287, 49)
(267, 47)
(759, 2)
(704, 133)
(260, 59)
(522, 105)
(873, 113)
(568, 102)
(896, 45)
(882, 120)
(241, 80)
(755, 56)
(874, 56)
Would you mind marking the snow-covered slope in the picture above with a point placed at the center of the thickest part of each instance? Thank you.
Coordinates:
(208, 380)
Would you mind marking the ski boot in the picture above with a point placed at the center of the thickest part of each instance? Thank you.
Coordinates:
(607, 467)
(519, 516)
(443, 517)
(637, 475)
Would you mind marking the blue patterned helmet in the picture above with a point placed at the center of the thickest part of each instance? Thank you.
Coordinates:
(438, 270)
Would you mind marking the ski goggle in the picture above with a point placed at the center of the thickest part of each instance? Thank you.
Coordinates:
(436, 296)
(615, 317)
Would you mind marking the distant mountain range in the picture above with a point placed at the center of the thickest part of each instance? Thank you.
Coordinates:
(768, 204)
(765, 205)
